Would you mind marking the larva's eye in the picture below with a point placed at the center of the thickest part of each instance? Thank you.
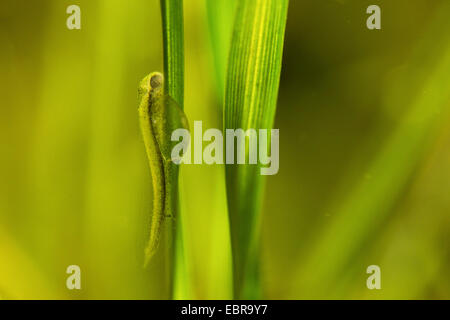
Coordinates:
(156, 81)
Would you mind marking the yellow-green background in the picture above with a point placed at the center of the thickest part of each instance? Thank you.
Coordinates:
(364, 153)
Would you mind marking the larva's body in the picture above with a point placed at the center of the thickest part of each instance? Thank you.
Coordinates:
(151, 98)
(159, 116)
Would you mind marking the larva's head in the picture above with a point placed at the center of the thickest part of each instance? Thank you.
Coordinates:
(153, 81)
(156, 80)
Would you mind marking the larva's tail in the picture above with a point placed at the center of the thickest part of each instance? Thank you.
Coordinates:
(150, 252)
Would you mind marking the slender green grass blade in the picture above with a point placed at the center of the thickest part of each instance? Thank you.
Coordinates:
(173, 43)
(202, 187)
(250, 102)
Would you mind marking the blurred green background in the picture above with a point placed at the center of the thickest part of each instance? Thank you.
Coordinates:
(364, 153)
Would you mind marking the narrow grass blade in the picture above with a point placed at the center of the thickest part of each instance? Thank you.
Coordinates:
(173, 43)
(250, 102)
